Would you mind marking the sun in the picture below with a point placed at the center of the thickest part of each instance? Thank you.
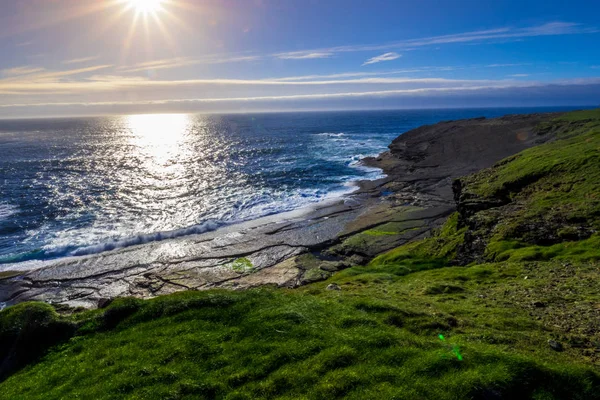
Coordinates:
(147, 18)
(146, 6)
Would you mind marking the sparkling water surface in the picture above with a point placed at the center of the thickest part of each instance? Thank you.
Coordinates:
(81, 186)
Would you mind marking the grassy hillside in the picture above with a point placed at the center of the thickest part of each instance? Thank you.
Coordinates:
(502, 302)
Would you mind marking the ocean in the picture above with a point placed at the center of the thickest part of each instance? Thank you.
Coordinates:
(79, 186)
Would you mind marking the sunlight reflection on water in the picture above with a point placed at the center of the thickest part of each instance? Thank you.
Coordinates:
(79, 186)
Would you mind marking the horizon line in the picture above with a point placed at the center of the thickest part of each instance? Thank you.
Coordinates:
(65, 116)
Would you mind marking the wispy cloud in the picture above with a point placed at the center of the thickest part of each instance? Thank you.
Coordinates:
(177, 62)
(378, 93)
(104, 79)
(424, 69)
(41, 83)
(304, 55)
(17, 71)
(116, 78)
(364, 74)
(384, 57)
(595, 66)
(33, 76)
(483, 36)
(24, 44)
(180, 62)
(105, 84)
(70, 72)
(506, 65)
(49, 83)
(80, 60)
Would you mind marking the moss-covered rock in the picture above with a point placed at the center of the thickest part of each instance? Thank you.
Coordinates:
(242, 265)
(27, 330)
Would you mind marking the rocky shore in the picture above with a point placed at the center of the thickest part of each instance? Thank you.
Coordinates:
(296, 248)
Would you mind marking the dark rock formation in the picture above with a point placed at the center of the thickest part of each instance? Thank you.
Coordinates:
(431, 156)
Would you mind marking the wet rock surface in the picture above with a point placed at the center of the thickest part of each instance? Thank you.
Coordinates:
(290, 250)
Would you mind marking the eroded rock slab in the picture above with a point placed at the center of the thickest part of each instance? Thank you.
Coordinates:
(250, 254)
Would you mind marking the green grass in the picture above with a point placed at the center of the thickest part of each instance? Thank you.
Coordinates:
(550, 195)
(583, 115)
(432, 252)
(377, 338)
(376, 232)
(409, 325)
(562, 157)
(580, 251)
(369, 240)
(242, 265)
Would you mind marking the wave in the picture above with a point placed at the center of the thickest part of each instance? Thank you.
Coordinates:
(37, 257)
(372, 173)
(246, 210)
(329, 134)
(204, 227)
(6, 210)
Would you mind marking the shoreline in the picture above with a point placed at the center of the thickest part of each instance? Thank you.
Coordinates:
(330, 215)
(301, 246)
(305, 211)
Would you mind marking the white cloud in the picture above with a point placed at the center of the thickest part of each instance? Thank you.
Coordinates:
(506, 65)
(304, 55)
(582, 91)
(40, 75)
(158, 64)
(17, 71)
(179, 62)
(116, 78)
(47, 83)
(51, 85)
(364, 74)
(80, 60)
(104, 85)
(383, 57)
(484, 36)
(379, 93)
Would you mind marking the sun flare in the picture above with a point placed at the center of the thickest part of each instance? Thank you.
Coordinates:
(149, 15)
(146, 6)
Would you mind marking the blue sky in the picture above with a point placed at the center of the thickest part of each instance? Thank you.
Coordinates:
(74, 57)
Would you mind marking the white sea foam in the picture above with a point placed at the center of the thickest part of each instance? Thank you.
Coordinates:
(204, 227)
(6, 210)
(351, 150)
(257, 208)
(299, 202)
(247, 210)
(330, 134)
